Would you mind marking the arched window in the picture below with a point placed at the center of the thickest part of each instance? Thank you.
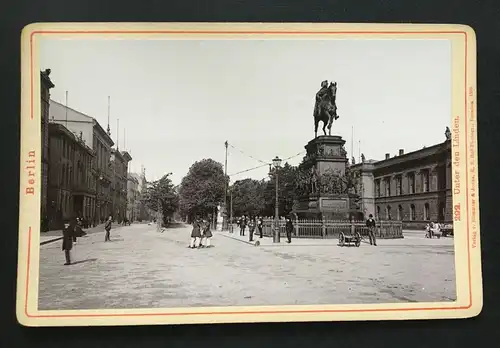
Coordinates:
(412, 212)
(400, 212)
(388, 212)
(427, 215)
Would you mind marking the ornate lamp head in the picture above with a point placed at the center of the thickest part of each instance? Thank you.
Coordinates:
(277, 162)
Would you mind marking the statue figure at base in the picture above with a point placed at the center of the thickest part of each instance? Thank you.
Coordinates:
(325, 108)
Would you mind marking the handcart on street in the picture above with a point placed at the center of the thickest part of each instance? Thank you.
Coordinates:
(350, 239)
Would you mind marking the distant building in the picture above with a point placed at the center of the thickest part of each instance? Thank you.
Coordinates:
(70, 189)
(415, 187)
(45, 86)
(119, 163)
(142, 212)
(133, 198)
(95, 136)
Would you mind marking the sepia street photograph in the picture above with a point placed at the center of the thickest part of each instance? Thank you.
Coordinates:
(245, 172)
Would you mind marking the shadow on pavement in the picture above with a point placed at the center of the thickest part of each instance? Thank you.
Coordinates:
(83, 261)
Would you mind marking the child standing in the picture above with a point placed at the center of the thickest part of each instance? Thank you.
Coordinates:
(195, 235)
(208, 234)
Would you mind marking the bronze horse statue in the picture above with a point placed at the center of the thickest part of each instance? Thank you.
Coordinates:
(325, 109)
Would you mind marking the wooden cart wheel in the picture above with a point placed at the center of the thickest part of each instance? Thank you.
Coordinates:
(358, 239)
(341, 239)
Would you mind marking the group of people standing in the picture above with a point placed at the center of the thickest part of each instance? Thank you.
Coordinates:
(258, 222)
(252, 223)
(201, 234)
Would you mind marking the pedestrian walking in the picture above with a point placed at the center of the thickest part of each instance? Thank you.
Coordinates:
(251, 229)
(260, 225)
(289, 230)
(195, 234)
(107, 228)
(67, 241)
(370, 223)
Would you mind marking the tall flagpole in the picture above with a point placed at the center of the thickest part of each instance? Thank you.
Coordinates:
(359, 150)
(66, 109)
(224, 218)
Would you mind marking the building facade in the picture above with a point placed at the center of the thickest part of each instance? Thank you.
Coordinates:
(45, 86)
(415, 188)
(119, 163)
(133, 198)
(103, 172)
(92, 134)
(70, 190)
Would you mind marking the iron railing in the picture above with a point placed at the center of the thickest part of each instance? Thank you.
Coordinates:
(331, 228)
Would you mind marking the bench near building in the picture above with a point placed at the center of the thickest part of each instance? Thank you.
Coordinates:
(414, 187)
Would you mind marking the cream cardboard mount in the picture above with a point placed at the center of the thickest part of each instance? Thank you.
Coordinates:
(307, 280)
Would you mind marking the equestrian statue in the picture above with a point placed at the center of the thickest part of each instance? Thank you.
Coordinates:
(325, 108)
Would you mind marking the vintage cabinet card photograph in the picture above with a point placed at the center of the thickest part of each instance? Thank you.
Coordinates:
(185, 173)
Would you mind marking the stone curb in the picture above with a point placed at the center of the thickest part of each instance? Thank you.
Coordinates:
(256, 243)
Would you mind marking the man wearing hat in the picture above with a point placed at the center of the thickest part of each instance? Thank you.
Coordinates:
(370, 223)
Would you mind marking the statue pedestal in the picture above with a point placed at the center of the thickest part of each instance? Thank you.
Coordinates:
(327, 206)
(326, 155)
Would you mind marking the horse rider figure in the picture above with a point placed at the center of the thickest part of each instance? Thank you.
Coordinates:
(325, 102)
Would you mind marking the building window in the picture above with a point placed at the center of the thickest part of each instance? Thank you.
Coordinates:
(378, 212)
(412, 212)
(388, 212)
(411, 183)
(427, 215)
(377, 188)
(400, 212)
(387, 184)
(399, 186)
(425, 181)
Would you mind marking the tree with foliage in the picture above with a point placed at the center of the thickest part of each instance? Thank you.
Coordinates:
(161, 196)
(248, 197)
(287, 186)
(202, 189)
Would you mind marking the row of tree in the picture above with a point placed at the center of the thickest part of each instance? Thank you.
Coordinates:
(258, 197)
(201, 192)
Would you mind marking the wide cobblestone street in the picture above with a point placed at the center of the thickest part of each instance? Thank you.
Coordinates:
(142, 268)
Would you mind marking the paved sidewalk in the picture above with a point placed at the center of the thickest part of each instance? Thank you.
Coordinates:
(142, 268)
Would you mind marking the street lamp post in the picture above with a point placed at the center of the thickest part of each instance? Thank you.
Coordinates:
(276, 234)
(231, 211)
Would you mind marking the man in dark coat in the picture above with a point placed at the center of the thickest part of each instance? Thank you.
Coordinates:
(289, 230)
(107, 228)
(243, 225)
(260, 225)
(67, 241)
(370, 223)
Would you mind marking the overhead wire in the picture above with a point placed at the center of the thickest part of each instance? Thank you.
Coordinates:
(265, 164)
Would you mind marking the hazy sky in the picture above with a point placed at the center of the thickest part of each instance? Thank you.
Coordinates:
(178, 101)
